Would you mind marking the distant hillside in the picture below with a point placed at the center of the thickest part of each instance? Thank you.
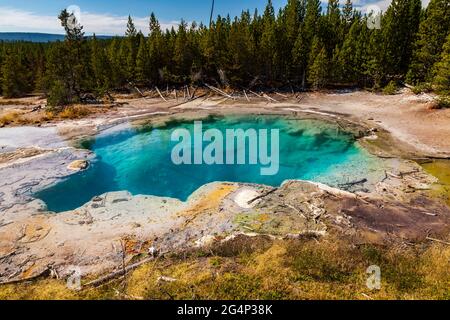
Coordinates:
(35, 37)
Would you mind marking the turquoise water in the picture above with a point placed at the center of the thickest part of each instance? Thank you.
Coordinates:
(139, 160)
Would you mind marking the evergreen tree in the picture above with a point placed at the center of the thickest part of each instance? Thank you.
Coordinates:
(268, 42)
(13, 79)
(304, 39)
(432, 33)
(100, 67)
(67, 73)
(400, 24)
(182, 54)
(347, 13)
(333, 25)
(289, 25)
(318, 73)
(130, 51)
(442, 70)
(374, 65)
(345, 61)
(157, 50)
(298, 46)
(240, 51)
(142, 61)
(115, 58)
(131, 29)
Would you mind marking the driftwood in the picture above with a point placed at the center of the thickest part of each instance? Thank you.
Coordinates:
(159, 92)
(137, 89)
(353, 183)
(269, 98)
(8, 255)
(408, 86)
(256, 94)
(193, 93)
(37, 108)
(437, 240)
(217, 90)
(119, 273)
(187, 101)
(430, 214)
(4, 224)
(265, 194)
(392, 175)
(246, 96)
(281, 95)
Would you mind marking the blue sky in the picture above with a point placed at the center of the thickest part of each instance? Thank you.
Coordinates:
(165, 9)
(109, 17)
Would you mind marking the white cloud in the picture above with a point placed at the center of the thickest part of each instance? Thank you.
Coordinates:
(382, 4)
(14, 20)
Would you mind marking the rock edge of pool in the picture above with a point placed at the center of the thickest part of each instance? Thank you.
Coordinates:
(33, 242)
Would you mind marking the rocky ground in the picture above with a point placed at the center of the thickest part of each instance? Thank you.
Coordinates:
(117, 229)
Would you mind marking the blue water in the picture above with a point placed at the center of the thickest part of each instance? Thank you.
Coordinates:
(139, 160)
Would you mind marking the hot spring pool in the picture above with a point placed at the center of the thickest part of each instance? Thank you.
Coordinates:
(139, 160)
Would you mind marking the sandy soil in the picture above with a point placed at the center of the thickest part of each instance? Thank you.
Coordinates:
(397, 208)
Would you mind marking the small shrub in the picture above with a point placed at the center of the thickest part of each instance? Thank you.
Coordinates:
(443, 102)
(59, 95)
(421, 88)
(75, 112)
(391, 88)
(8, 118)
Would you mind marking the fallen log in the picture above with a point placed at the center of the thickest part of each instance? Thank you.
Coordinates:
(119, 273)
(281, 95)
(7, 255)
(246, 96)
(217, 90)
(137, 89)
(269, 98)
(188, 92)
(353, 183)
(4, 224)
(193, 93)
(262, 195)
(437, 240)
(392, 175)
(256, 94)
(189, 100)
(37, 108)
(159, 92)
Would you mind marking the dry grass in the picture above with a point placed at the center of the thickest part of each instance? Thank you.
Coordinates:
(25, 117)
(301, 269)
(73, 112)
(18, 102)
(9, 118)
